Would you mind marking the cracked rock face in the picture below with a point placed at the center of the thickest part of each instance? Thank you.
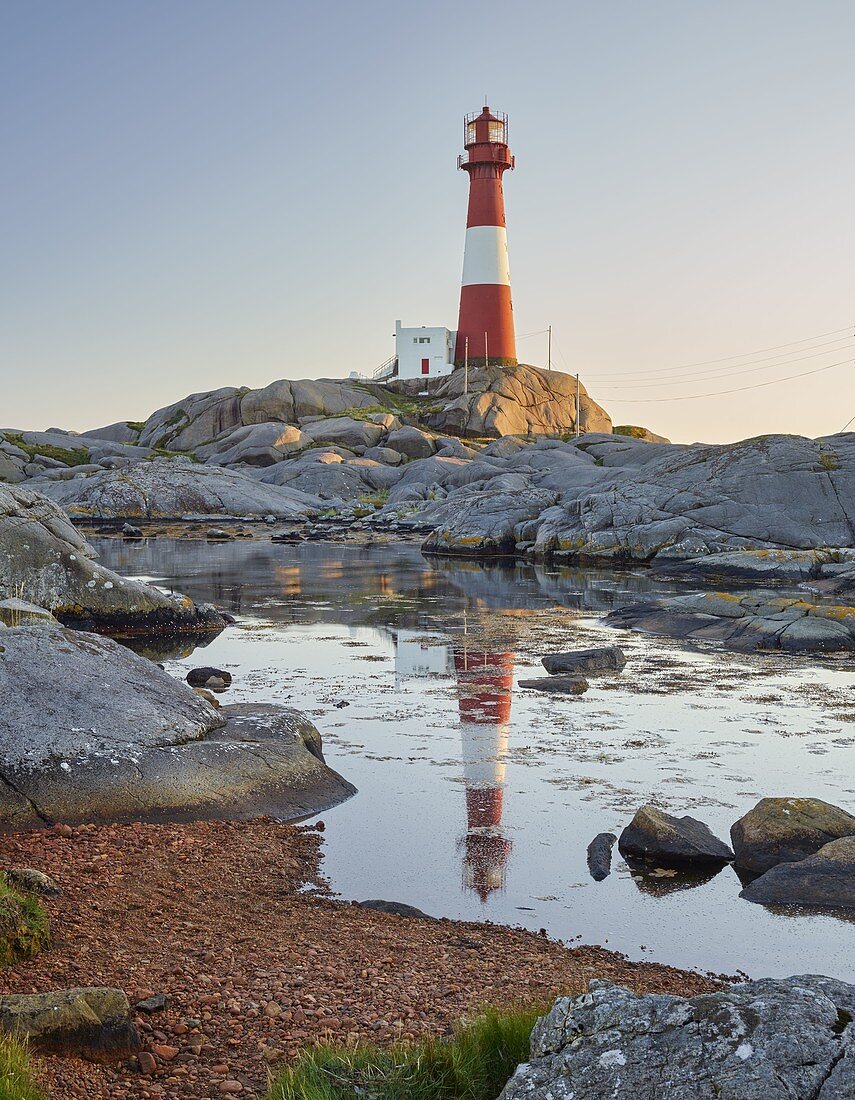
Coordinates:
(91, 731)
(791, 1038)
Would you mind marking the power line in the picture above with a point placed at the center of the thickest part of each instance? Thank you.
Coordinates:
(738, 389)
(760, 351)
(723, 371)
(724, 374)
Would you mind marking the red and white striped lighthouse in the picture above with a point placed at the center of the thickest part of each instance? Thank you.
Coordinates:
(486, 312)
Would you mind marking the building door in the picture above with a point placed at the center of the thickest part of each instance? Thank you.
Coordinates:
(425, 366)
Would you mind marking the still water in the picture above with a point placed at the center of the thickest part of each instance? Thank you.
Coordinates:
(477, 798)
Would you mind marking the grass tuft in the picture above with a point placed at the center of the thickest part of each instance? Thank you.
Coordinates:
(24, 929)
(475, 1065)
(16, 1076)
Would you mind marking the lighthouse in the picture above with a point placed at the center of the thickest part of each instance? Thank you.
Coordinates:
(486, 316)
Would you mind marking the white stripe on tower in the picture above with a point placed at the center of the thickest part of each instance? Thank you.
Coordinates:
(485, 256)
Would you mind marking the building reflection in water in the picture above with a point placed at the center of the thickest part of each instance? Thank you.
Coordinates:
(484, 683)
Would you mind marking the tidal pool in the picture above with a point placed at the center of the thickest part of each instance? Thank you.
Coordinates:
(477, 798)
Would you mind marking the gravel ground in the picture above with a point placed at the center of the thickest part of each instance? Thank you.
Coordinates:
(232, 922)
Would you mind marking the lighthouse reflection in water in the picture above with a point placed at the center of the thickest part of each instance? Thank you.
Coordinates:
(484, 685)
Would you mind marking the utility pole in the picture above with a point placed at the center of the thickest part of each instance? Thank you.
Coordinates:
(577, 406)
(466, 366)
(486, 356)
(549, 349)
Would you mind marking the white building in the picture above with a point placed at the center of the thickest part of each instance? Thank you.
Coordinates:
(424, 352)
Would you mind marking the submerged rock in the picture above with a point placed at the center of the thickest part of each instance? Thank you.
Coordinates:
(790, 1037)
(653, 835)
(90, 731)
(95, 1022)
(785, 830)
(565, 685)
(600, 856)
(398, 908)
(586, 661)
(825, 879)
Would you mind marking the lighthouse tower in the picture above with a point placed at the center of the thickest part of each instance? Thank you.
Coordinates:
(486, 313)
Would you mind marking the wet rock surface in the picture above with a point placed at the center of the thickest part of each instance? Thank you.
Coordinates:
(825, 880)
(790, 1038)
(564, 685)
(784, 830)
(600, 856)
(658, 837)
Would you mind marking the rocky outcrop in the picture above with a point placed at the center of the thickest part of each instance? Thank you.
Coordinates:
(621, 500)
(785, 830)
(44, 559)
(93, 1023)
(518, 400)
(745, 622)
(91, 731)
(657, 837)
(823, 880)
(791, 1037)
(172, 488)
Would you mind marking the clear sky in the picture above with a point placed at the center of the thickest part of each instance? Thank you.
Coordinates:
(212, 193)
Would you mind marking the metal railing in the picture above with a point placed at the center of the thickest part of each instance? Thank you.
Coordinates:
(386, 370)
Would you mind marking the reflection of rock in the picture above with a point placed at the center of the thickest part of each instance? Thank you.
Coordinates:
(484, 690)
(600, 856)
(825, 879)
(659, 882)
(671, 841)
(780, 830)
(789, 1037)
(91, 731)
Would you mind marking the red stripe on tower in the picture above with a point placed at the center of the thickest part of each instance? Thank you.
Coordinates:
(486, 312)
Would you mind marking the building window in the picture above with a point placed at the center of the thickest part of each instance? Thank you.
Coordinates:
(425, 366)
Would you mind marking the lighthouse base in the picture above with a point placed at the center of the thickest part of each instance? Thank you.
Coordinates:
(480, 361)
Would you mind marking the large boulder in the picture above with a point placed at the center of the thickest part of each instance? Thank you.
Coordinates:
(586, 662)
(94, 1023)
(44, 557)
(345, 431)
(785, 830)
(91, 731)
(515, 400)
(412, 442)
(790, 1038)
(825, 879)
(657, 837)
(172, 488)
(254, 445)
